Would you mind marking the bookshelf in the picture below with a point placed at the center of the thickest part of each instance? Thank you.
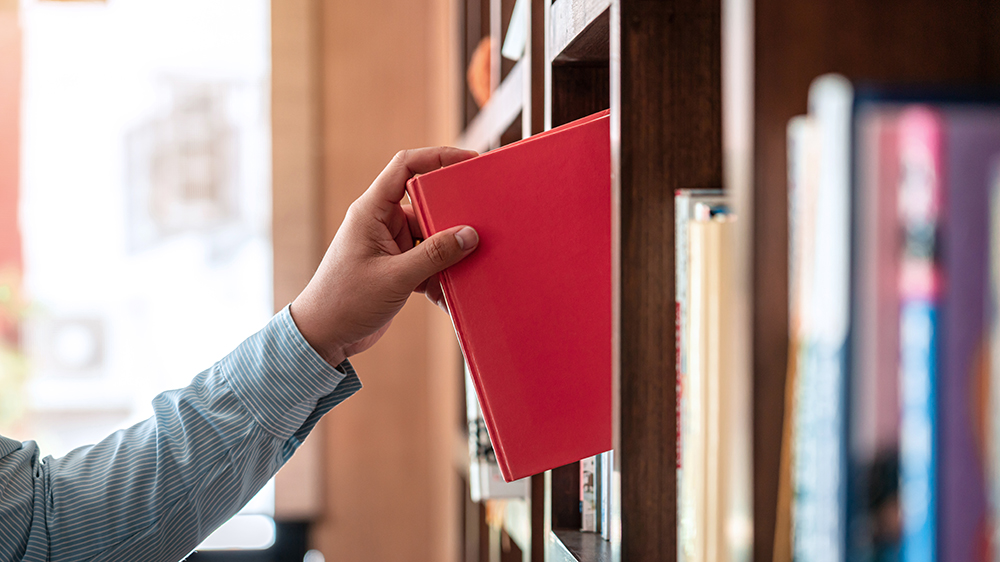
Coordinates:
(657, 66)
(688, 82)
(887, 42)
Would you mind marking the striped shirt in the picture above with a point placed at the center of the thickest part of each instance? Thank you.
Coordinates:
(154, 491)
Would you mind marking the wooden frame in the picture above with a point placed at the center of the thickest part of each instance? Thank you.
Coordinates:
(657, 65)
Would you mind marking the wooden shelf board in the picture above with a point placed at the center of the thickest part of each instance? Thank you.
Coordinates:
(580, 30)
(495, 117)
(578, 546)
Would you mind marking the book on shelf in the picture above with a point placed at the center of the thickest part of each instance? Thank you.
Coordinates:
(588, 494)
(532, 305)
(992, 424)
(605, 470)
(920, 193)
(707, 432)
(821, 242)
(909, 422)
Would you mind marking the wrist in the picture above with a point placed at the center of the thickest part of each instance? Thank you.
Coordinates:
(312, 329)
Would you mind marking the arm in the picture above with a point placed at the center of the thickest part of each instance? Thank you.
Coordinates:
(154, 491)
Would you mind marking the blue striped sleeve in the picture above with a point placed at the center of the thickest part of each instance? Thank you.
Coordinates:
(156, 490)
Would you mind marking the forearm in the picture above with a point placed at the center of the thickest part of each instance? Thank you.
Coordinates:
(154, 491)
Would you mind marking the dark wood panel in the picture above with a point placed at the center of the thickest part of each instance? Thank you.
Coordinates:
(578, 91)
(513, 132)
(533, 122)
(915, 41)
(538, 518)
(585, 547)
(669, 103)
(566, 497)
(533, 114)
(484, 534)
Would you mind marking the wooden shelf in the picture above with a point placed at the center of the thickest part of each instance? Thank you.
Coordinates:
(666, 135)
(579, 30)
(505, 104)
(578, 546)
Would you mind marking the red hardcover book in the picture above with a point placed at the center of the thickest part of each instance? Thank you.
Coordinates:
(532, 304)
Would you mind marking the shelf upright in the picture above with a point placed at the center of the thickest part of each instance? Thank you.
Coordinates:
(666, 134)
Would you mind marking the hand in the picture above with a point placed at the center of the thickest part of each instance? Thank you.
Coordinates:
(372, 265)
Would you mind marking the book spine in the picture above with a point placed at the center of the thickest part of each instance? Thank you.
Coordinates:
(820, 464)
(588, 494)
(697, 431)
(684, 515)
(799, 144)
(607, 468)
(993, 407)
(920, 197)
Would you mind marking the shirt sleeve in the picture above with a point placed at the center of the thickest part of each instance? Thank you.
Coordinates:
(156, 490)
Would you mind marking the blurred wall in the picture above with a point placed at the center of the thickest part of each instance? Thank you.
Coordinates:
(10, 129)
(354, 82)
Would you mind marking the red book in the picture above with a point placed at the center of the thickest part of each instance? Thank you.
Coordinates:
(532, 304)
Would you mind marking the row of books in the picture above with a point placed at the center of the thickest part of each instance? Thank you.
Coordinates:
(712, 452)
(894, 201)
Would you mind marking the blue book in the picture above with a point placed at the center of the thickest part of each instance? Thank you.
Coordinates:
(920, 207)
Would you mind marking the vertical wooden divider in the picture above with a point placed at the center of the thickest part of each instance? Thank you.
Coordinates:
(533, 122)
(666, 134)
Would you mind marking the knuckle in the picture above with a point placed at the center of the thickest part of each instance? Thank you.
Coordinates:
(355, 212)
(401, 155)
(436, 251)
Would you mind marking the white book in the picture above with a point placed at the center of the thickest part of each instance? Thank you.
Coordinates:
(689, 430)
(588, 494)
(819, 517)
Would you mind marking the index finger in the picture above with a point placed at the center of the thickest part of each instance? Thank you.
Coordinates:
(390, 185)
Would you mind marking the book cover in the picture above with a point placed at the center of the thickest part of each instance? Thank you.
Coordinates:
(532, 305)
(874, 412)
(992, 433)
(971, 142)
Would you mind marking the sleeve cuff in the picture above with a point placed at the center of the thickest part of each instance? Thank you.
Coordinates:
(283, 382)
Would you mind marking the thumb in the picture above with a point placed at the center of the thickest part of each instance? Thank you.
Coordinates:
(439, 252)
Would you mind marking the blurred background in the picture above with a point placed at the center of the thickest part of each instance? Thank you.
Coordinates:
(171, 173)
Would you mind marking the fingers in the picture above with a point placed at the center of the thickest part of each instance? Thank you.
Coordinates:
(390, 185)
(413, 222)
(435, 294)
(431, 288)
(435, 254)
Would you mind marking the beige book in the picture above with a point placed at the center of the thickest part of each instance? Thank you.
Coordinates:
(718, 448)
